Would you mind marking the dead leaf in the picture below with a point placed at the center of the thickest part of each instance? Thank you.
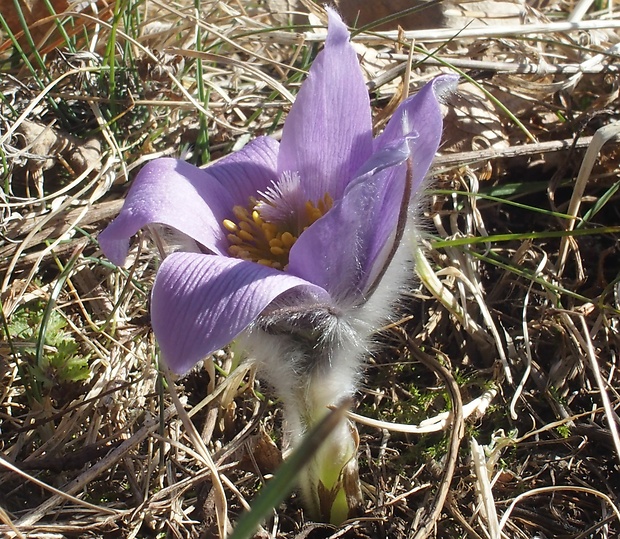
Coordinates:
(265, 453)
(448, 14)
(359, 13)
(36, 15)
(41, 22)
(44, 146)
(472, 122)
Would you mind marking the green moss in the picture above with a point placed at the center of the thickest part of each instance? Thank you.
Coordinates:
(61, 361)
(563, 431)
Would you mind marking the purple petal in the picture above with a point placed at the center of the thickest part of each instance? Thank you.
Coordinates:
(345, 250)
(192, 200)
(249, 170)
(419, 118)
(327, 135)
(173, 193)
(201, 302)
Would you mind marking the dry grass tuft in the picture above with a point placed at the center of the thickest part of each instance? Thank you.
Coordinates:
(515, 312)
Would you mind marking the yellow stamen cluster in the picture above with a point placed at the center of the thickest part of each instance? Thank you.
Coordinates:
(268, 243)
(314, 212)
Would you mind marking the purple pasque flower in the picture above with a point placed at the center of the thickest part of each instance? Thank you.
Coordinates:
(296, 247)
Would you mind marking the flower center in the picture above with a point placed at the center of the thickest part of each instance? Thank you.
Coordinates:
(257, 236)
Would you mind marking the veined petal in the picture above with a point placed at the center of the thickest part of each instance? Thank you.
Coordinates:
(344, 250)
(202, 302)
(194, 201)
(173, 193)
(419, 118)
(327, 135)
(247, 171)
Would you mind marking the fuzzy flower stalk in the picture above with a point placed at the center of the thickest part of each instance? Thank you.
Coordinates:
(294, 249)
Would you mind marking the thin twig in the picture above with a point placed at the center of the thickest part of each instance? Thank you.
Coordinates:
(466, 158)
(458, 431)
(553, 489)
(603, 135)
(93, 472)
(443, 34)
(522, 68)
(611, 416)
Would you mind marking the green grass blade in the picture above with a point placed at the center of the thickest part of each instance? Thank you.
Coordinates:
(496, 238)
(276, 490)
(49, 307)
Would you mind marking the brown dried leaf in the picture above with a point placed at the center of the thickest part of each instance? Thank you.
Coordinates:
(361, 12)
(41, 22)
(36, 15)
(44, 145)
(478, 13)
(472, 122)
(265, 453)
(448, 14)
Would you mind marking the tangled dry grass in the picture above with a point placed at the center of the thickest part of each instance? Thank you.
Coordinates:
(514, 311)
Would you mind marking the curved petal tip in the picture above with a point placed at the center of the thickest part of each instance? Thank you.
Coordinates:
(338, 32)
(444, 86)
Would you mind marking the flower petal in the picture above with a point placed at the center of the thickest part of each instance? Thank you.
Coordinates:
(173, 193)
(201, 302)
(364, 223)
(341, 251)
(194, 201)
(327, 135)
(419, 118)
(249, 170)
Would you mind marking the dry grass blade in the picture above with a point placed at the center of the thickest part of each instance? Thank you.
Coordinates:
(612, 417)
(458, 431)
(480, 156)
(443, 34)
(528, 349)
(485, 494)
(87, 477)
(62, 495)
(538, 491)
(440, 422)
(603, 135)
(203, 453)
